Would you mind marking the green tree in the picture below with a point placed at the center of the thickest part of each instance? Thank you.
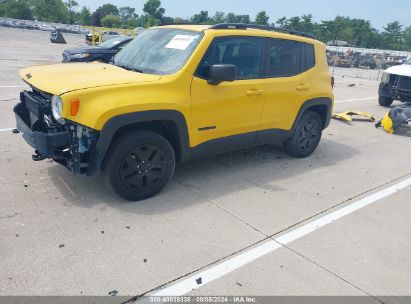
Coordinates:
(219, 17)
(127, 13)
(282, 22)
(201, 18)
(243, 19)
(262, 18)
(233, 18)
(19, 9)
(102, 11)
(85, 16)
(111, 21)
(50, 10)
(179, 20)
(392, 35)
(307, 24)
(407, 39)
(154, 12)
(168, 20)
(71, 4)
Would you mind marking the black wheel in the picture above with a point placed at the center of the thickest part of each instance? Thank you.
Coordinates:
(139, 165)
(306, 136)
(385, 101)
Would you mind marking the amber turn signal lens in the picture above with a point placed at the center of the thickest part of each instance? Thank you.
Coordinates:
(75, 106)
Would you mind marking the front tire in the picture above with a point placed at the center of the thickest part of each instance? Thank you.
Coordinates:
(385, 101)
(306, 136)
(139, 165)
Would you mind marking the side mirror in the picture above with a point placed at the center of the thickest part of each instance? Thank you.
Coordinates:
(222, 72)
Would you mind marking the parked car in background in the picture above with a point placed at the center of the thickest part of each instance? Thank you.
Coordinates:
(105, 35)
(341, 61)
(103, 52)
(396, 84)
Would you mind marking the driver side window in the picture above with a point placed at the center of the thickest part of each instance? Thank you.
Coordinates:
(243, 52)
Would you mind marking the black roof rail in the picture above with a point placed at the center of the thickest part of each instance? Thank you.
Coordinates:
(243, 26)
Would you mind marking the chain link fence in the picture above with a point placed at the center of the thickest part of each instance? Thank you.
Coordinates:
(363, 63)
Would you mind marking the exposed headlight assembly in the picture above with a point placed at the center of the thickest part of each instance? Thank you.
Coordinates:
(57, 108)
(385, 77)
(81, 55)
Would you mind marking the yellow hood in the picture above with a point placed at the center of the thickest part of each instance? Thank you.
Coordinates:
(58, 79)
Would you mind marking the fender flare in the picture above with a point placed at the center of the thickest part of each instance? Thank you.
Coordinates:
(106, 136)
(320, 101)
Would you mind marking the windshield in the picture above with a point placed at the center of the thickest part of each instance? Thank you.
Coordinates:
(408, 61)
(112, 42)
(158, 51)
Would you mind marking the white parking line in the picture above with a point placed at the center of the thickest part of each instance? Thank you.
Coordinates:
(215, 272)
(368, 98)
(5, 130)
(15, 86)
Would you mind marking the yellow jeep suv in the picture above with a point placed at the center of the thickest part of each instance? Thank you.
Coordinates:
(174, 93)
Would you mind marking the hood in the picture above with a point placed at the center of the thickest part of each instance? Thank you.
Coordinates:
(80, 50)
(61, 78)
(402, 70)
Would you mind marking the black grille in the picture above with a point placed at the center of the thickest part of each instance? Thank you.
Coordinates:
(393, 79)
(404, 83)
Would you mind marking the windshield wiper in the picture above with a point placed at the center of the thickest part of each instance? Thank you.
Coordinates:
(129, 68)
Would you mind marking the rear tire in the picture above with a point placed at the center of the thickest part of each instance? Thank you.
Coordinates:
(306, 136)
(385, 101)
(139, 165)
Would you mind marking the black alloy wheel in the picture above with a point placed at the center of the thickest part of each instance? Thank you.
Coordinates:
(138, 165)
(144, 167)
(306, 136)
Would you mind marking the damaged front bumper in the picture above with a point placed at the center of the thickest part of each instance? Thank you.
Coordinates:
(397, 87)
(70, 144)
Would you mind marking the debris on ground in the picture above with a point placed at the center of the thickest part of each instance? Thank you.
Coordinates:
(397, 117)
(347, 116)
(57, 37)
(61, 246)
(351, 85)
(113, 293)
(199, 281)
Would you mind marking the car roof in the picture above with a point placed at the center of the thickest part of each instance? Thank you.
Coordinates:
(252, 30)
(189, 27)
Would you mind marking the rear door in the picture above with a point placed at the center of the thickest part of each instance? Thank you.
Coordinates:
(287, 73)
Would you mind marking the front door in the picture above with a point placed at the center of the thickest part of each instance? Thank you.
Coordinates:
(228, 114)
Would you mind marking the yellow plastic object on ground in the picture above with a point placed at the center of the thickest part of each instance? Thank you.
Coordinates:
(387, 124)
(347, 116)
(396, 118)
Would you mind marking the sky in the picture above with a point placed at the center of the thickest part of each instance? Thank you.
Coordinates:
(379, 12)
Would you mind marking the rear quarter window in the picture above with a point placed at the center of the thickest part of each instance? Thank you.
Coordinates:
(288, 58)
(309, 56)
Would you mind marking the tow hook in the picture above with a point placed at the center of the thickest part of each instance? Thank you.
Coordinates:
(15, 131)
(37, 156)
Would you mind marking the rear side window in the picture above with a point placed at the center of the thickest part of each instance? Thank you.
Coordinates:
(284, 58)
(309, 56)
(289, 58)
(244, 52)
